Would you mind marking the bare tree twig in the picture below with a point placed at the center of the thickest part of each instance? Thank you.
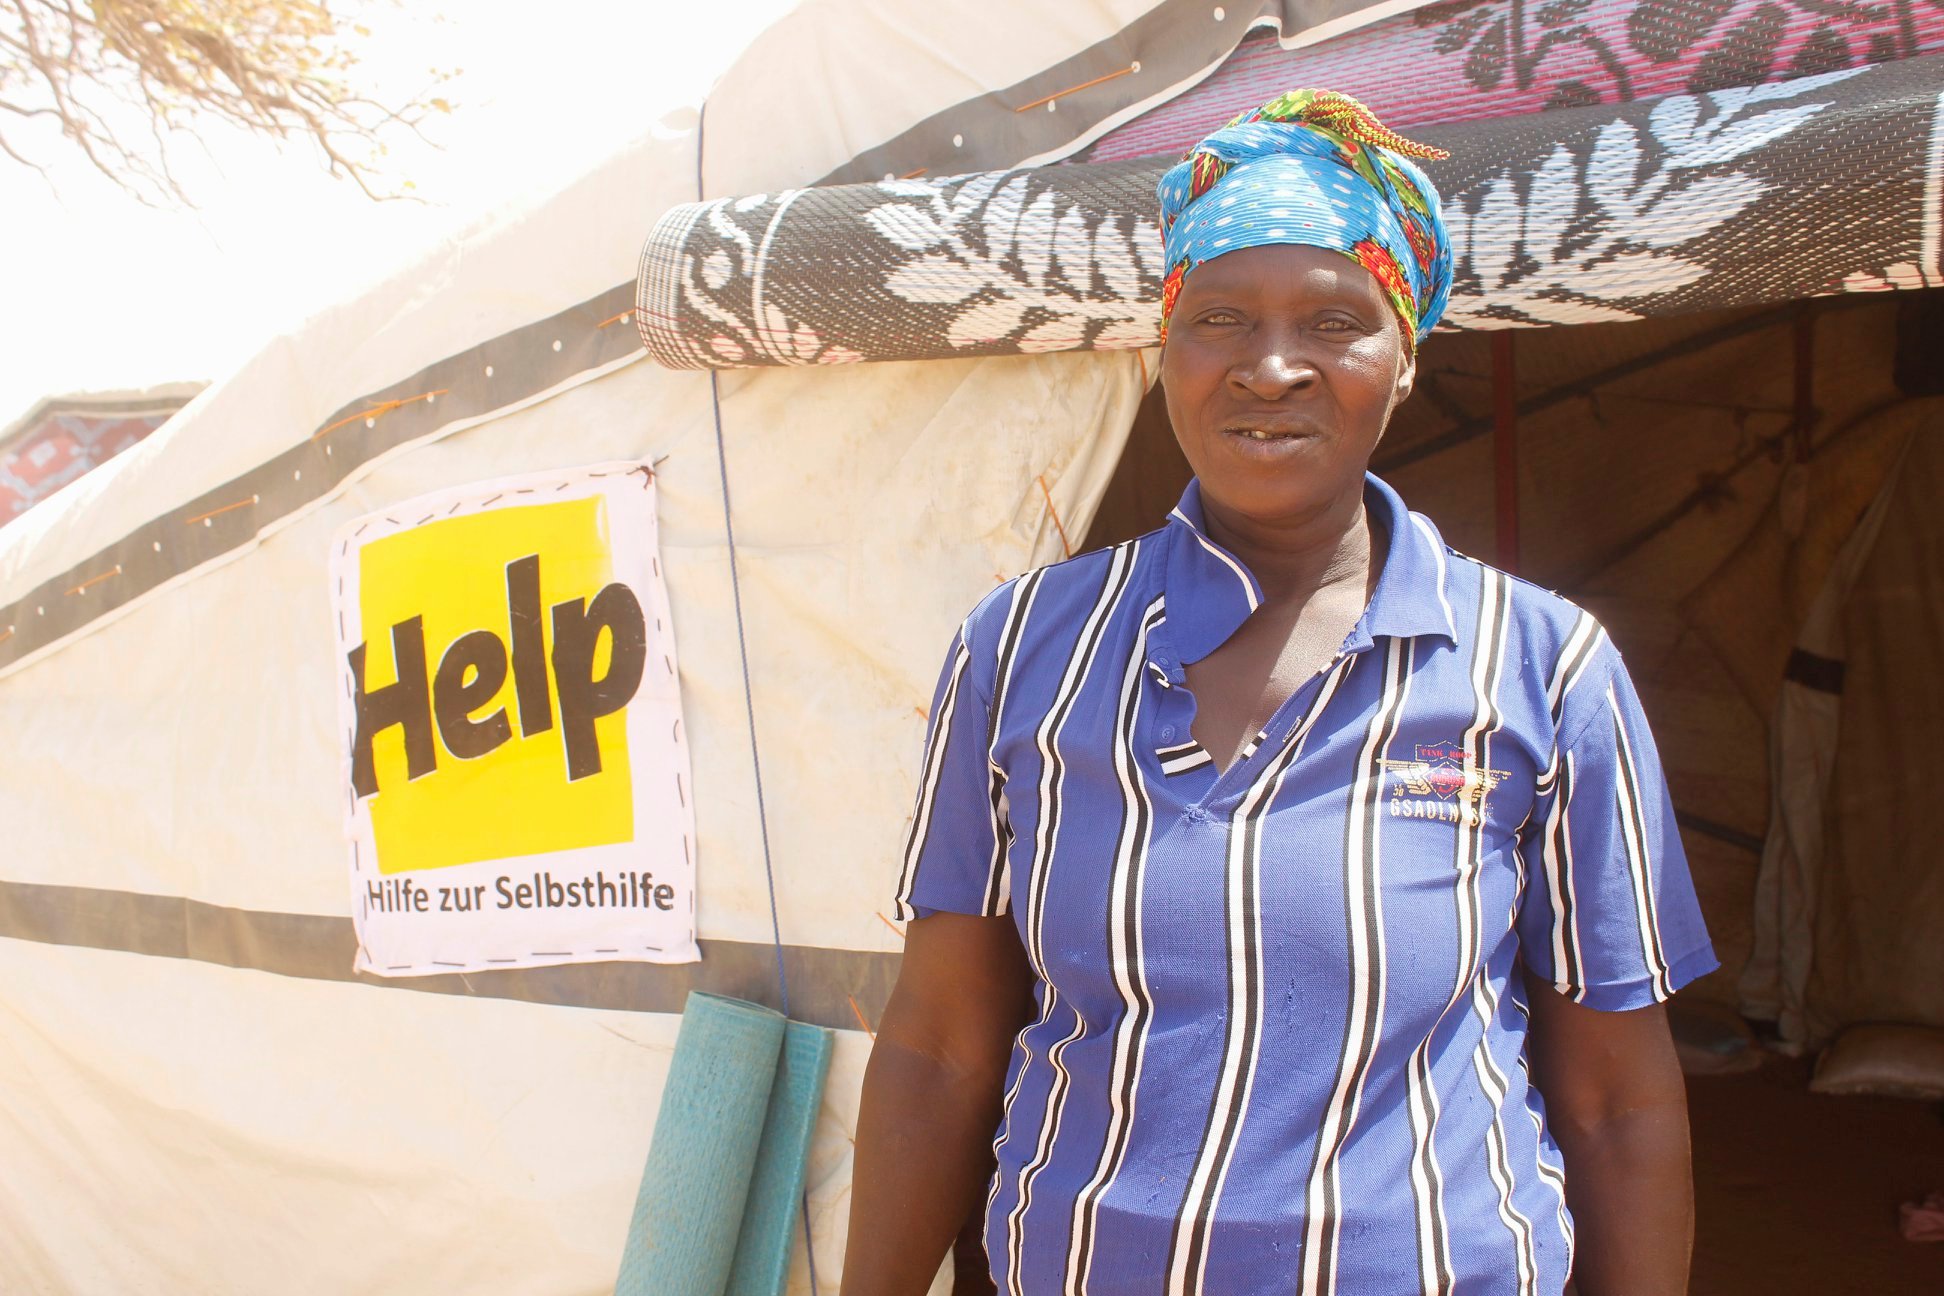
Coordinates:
(118, 80)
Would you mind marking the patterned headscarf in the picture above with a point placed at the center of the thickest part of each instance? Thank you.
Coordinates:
(1313, 167)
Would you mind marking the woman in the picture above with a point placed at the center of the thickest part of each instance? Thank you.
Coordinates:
(1293, 896)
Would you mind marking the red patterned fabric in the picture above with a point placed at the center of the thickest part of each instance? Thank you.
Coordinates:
(61, 448)
(1342, 114)
(1472, 59)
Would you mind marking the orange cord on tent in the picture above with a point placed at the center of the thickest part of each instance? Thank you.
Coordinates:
(377, 412)
(866, 1026)
(92, 581)
(218, 512)
(1058, 525)
(749, 696)
(1084, 85)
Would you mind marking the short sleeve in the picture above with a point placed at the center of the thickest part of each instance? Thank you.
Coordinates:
(952, 858)
(1609, 915)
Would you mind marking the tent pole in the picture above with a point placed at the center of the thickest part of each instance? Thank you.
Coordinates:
(1505, 448)
(1805, 379)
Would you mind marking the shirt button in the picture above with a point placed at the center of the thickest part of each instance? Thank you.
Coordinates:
(1167, 732)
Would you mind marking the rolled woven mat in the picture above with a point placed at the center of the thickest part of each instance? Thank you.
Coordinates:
(1610, 211)
(682, 1238)
(770, 1219)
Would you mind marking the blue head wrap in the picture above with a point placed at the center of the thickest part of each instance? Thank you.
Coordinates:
(1313, 167)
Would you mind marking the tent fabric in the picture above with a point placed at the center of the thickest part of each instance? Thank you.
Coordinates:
(1881, 907)
(1804, 738)
(829, 987)
(1580, 215)
(181, 1019)
(187, 752)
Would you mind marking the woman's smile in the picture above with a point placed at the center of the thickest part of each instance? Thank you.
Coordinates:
(1267, 445)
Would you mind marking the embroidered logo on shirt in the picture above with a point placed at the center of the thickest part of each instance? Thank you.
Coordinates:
(1443, 783)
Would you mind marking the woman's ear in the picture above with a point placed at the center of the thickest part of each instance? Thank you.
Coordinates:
(1406, 378)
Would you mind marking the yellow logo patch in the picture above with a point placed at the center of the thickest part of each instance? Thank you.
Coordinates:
(491, 686)
(517, 767)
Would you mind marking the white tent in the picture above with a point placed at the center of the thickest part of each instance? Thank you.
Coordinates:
(177, 1119)
(199, 1094)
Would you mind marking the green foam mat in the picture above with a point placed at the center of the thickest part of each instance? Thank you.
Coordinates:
(770, 1219)
(689, 1211)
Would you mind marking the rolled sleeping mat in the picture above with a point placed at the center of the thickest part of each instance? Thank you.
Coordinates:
(1658, 218)
(689, 1210)
(770, 1222)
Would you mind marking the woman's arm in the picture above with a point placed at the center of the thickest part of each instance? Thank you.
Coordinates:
(1617, 1105)
(932, 1096)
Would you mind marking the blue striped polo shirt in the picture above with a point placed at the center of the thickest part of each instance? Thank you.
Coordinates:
(1280, 1034)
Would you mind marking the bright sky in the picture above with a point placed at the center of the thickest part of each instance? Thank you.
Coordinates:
(99, 292)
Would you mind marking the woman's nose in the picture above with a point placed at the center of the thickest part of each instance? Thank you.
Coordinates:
(1274, 373)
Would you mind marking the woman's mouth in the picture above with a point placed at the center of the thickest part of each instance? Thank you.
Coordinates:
(1266, 444)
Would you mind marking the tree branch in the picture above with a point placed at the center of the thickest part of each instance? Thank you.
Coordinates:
(280, 69)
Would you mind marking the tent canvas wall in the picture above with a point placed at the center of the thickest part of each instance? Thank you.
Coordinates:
(199, 1077)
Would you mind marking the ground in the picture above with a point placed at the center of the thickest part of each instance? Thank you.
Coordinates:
(1797, 1192)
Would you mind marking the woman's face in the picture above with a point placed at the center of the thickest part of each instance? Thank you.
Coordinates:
(1282, 366)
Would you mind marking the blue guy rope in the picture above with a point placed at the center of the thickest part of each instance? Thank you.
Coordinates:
(749, 699)
(742, 638)
(749, 694)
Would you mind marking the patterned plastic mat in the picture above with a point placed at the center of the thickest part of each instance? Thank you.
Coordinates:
(1821, 183)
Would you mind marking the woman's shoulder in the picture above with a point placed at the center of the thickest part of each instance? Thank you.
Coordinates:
(1553, 632)
(1054, 599)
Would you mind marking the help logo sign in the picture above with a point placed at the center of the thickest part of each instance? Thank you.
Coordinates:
(516, 771)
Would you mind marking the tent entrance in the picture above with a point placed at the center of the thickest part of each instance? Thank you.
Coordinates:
(1693, 481)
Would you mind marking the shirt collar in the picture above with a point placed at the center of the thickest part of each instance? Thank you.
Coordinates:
(1411, 598)
(1210, 593)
